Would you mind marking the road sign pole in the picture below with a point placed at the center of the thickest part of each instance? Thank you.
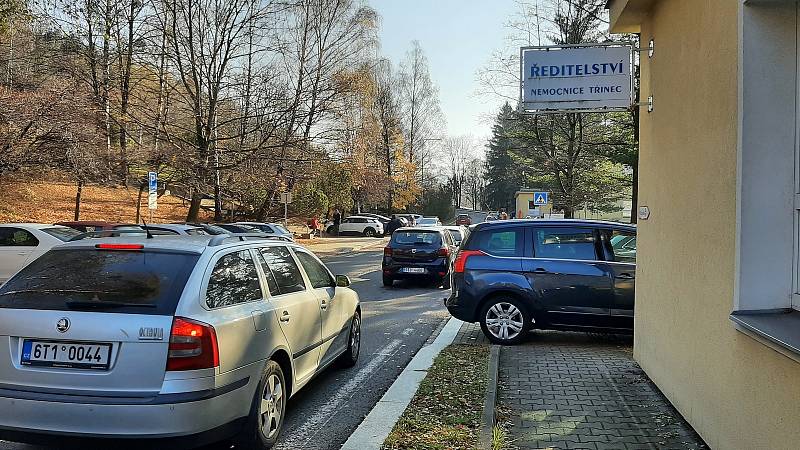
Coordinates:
(286, 214)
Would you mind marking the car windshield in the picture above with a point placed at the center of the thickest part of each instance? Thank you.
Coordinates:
(281, 228)
(62, 233)
(428, 221)
(456, 235)
(416, 238)
(122, 281)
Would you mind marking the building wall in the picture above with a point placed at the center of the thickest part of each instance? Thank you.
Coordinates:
(736, 392)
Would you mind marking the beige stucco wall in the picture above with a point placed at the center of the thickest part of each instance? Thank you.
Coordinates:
(735, 391)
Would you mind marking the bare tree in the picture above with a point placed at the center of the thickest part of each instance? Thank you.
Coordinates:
(419, 99)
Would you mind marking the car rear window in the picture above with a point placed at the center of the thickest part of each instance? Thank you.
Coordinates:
(62, 233)
(100, 280)
(417, 238)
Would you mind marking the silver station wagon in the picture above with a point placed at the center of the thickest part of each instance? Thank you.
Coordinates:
(183, 340)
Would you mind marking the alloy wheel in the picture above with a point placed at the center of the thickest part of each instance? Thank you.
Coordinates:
(271, 406)
(504, 321)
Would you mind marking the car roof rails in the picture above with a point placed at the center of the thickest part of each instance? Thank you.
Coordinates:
(105, 233)
(221, 238)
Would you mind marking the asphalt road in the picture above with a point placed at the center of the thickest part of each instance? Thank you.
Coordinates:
(396, 323)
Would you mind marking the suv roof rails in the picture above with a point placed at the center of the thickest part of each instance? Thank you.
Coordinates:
(220, 238)
(108, 233)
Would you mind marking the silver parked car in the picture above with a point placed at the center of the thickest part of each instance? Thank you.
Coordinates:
(196, 338)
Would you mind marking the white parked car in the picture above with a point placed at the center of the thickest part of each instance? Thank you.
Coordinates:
(429, 222)
(357, 225)
(21, 243)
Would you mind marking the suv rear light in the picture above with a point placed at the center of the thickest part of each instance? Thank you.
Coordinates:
(192, 345)
(119, 246)
(461, 259)
(387, 251)
(444, 251)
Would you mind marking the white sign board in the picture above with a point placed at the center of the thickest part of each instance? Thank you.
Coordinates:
(286, 197)
(576, 78)
(152, 194)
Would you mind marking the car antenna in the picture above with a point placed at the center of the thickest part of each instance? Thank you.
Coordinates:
(146, 230)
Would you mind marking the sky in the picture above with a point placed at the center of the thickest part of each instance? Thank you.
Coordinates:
(458, 37)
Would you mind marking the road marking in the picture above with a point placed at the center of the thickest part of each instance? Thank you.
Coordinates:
(324, 414)
(380, 421)
(408, 331)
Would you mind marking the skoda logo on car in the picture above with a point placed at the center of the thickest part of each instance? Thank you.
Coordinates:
(62, 325)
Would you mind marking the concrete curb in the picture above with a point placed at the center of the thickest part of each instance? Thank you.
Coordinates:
(489, 403)
(380, 421)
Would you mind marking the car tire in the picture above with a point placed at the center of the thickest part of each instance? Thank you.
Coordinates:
(263, 426)
(388, 281)
(329, 230)
(350, 357)
(369, 232)
(505, 320)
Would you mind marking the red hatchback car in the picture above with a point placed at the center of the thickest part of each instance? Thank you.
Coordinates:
(464, 219)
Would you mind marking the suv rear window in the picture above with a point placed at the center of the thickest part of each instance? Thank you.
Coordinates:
(104, 281)
(417, 238)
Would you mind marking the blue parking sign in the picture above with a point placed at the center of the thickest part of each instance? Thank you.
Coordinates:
(541, 198)
(152, 178)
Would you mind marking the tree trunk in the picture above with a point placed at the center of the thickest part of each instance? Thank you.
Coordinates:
(194, 207)
(217, 197)
(78, 200)
(139, 203)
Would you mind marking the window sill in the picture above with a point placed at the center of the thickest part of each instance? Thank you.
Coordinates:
(778, 329)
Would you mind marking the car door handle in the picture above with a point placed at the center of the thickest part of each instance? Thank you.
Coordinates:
(540, 270)
(323, 304)
(625, 276)
(285, 316)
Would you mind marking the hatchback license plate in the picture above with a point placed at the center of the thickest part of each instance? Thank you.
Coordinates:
(71, 355)
(412, 270)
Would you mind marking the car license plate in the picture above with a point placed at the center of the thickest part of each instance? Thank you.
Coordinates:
(412, 270)
(71, 355)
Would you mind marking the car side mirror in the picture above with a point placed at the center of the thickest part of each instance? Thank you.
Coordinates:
(342, 281)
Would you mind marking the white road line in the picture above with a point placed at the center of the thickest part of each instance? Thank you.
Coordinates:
(407, 331)
(306, 432)
(380, 421)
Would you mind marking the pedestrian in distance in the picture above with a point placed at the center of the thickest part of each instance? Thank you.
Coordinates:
(393, 224)
(337, 219)
(503, 215)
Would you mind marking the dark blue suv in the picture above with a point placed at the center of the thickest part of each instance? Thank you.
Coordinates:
(516, 275)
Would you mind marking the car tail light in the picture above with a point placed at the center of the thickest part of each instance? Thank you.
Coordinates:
(444, 251)
(461, 259)
(192, 345)
(119, 246)
(387, 251)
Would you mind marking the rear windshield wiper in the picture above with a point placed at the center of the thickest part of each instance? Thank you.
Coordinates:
(98, 305)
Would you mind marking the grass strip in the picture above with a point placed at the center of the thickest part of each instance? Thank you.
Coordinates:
(446, 411)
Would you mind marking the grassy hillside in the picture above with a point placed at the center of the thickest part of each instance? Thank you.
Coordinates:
(51, 202)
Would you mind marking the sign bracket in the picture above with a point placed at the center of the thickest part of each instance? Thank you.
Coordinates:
(648, 103)
(651, 48)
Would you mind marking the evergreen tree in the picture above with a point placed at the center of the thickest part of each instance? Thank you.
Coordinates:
(502, 178)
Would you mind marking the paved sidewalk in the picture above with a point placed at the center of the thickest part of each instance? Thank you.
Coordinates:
(577, 390)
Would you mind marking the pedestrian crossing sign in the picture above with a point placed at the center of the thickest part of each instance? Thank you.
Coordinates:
(540, 198)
